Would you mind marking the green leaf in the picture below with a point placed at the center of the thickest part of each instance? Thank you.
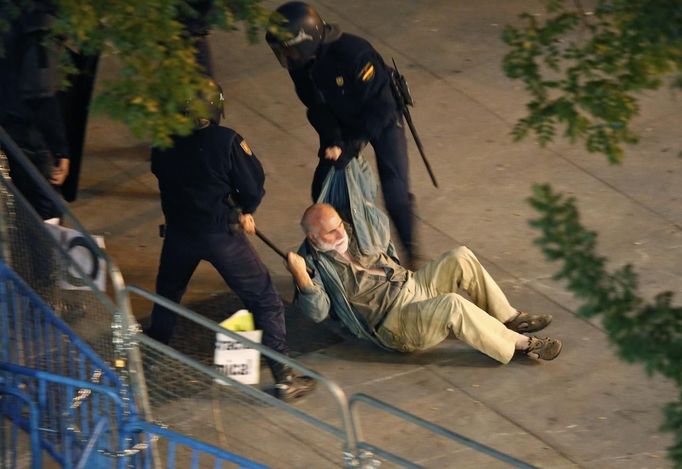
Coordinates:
(646, 333)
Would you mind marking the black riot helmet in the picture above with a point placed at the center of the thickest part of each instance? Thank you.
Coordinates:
(295, 32)
(212, 97)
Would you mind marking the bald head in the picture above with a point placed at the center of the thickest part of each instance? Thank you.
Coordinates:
(316, 215)
(324, 228)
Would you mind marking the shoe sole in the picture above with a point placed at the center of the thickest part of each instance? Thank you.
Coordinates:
(300, 392)
(561, 346)
(295, 396)
(529, 328)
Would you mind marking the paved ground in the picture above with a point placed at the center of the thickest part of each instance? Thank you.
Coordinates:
(587, 408)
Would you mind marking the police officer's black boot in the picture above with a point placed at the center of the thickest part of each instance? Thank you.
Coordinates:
(288, 384)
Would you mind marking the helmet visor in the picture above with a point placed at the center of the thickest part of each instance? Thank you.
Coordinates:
(289, 57)
(294, 55)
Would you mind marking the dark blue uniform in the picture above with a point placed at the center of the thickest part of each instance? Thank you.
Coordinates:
(29, 108)
(348, 94)
(195, 177)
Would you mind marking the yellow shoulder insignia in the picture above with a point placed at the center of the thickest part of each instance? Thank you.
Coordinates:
(367, 72)
(339, 81)
(246, 148)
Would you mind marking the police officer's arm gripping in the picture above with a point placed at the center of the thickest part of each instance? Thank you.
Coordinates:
(319, 115)
(248, 178)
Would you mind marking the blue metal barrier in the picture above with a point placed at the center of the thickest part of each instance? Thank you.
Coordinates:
(33, 336)
(112, 441)
(76, 410)
(65, 418)
(9, 408)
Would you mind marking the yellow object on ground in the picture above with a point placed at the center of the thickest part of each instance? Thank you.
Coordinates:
(240, 321)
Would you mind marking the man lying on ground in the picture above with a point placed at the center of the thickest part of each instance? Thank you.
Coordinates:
(379, 300)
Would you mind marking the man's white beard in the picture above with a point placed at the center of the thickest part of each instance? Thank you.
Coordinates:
(341, 246)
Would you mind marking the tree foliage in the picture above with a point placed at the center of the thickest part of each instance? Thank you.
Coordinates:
(157, 70)
(583, 68)
(649, 333)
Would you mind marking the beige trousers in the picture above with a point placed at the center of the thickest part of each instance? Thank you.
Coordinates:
(428, 308)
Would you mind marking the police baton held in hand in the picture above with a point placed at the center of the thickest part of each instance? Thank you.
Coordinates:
(236, 211)
(281, 253)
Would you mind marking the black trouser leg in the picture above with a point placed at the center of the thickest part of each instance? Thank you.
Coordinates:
(391, 152)
(178, 261)
(243, 271)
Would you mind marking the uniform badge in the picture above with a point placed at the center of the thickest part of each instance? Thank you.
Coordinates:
(246, 148)
(339, 81)
(367, 72)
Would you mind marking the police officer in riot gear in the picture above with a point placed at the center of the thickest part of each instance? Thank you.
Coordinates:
(346, 88)
(202, 177)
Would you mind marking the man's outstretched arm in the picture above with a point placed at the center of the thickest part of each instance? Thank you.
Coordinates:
(311, 297)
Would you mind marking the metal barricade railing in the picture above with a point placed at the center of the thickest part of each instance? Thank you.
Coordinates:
(28, 248)
(66, 421)
(34, 337)
(356, 399)
(200, 454)
(346, 432)
(12, 403)
(107, 443)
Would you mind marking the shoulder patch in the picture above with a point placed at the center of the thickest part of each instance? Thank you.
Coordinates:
(367, 72)
(339, 81)
(246, 148)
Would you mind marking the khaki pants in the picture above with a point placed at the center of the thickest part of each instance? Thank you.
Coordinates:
(428, 308)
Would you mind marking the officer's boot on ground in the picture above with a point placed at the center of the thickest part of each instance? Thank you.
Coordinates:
(288, 384)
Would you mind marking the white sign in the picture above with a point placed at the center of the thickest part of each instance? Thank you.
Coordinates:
(237, 360)
(82, 253)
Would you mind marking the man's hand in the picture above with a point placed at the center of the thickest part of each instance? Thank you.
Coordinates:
(332, 153)
(247, 223)
(60, 172)
(296, 265)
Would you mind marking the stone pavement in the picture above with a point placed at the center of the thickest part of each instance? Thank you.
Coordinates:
(585, 409)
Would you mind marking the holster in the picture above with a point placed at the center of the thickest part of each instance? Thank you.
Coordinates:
(401, 90)
(233, 216)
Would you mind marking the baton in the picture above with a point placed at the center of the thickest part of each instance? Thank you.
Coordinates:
(281, 253)
(231, 203)
(402, 95)
(420, 147)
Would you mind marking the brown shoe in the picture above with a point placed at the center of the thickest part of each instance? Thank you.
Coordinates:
(289, 385)
(543, 349)
(525, 322)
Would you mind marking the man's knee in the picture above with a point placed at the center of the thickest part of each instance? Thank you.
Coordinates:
(460, 254)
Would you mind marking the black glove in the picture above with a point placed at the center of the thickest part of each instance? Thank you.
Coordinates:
(349, 149)
(347, 154)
